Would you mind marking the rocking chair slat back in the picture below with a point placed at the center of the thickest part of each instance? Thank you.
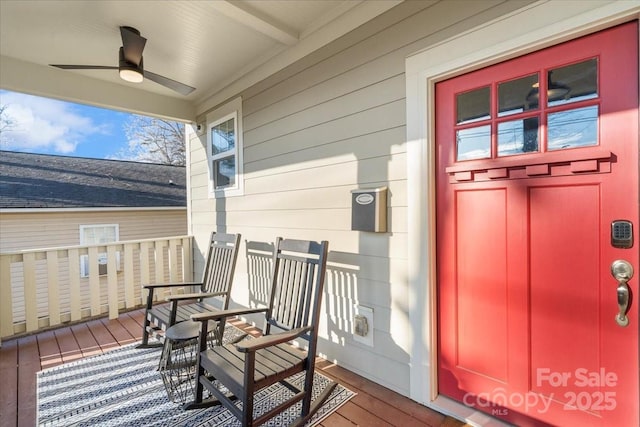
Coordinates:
(295, 286)
(219, 267)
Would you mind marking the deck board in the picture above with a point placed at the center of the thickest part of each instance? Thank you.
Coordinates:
(119, 332)
(9, 375)
(29, 365)
(49, 350)
(104, 338)
(21, 358)
(87, 342)
(69, 348)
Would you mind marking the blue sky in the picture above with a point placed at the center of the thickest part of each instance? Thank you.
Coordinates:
(49, 126)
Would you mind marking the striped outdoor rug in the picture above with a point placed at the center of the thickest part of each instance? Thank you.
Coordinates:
(123, 388)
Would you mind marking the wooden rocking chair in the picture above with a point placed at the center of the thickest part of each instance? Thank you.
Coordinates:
(216, 282)
(253, 364)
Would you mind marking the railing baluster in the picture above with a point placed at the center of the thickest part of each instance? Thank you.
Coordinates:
(54, 287)
(187, 260)
(30, 295)
(6, 300)
(159, 264)
(129, 290)
(74, 285)
(173, 261)
(112, 281)
(94, 281)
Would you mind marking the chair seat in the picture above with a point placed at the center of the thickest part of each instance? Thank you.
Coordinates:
(272, 364)
(160, 314)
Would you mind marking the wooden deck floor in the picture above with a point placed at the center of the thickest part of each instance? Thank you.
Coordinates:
(21, 358)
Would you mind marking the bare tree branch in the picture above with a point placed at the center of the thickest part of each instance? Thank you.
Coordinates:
(154, 140)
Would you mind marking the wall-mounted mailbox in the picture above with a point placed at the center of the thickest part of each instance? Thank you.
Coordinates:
(369, 210)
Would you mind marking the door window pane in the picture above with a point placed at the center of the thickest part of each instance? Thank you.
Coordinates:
(518, 137)
(575, 82)
(573, 128)
(514, 96)
(473, 106)
(473, 143)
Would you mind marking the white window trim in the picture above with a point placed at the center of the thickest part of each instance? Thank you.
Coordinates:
(490, 43)
(232, 109)
(84, 259)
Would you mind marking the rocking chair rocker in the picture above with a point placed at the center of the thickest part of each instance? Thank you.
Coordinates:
(251, 365)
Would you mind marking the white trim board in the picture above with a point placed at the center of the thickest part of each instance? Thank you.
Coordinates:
(530, 28)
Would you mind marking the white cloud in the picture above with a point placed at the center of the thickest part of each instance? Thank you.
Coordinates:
(44, 124)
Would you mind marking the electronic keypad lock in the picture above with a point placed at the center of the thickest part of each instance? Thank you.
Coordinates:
(621, 234)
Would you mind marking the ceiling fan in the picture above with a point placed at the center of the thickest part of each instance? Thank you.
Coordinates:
(130, 63)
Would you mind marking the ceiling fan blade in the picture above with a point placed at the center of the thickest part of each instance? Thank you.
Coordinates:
(132, 44)
(84, 67)
(181, 88)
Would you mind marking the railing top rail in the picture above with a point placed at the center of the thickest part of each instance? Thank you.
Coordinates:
(99, 245)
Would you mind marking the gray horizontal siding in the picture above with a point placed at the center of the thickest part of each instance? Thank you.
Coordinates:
(333, 122)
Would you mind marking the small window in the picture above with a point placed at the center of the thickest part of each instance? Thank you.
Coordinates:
(96, 235)
(573, 128)
(224, 150)
(572, 83)
(517, 96)
(473, 143)
(473, 106)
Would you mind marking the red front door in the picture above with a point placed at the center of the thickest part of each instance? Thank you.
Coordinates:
(537, 168)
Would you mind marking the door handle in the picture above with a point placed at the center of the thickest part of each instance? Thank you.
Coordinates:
(622, 271)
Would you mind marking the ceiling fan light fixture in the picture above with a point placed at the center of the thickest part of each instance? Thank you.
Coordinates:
(129, 72)
(131, 75)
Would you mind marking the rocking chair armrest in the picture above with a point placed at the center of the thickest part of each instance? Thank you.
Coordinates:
(271, 340)
(195, 295)
(222, 314)
(170, 285)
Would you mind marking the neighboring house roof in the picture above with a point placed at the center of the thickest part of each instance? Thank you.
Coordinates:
(46, 181)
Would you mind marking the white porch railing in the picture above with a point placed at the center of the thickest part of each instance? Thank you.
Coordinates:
(42, 288)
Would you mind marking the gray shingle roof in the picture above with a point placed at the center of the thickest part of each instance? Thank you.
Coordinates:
(46, 181)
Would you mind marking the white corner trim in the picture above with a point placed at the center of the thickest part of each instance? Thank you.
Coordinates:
(533, 27)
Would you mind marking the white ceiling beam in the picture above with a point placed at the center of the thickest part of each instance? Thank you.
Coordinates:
(256, 20)
(341, 25)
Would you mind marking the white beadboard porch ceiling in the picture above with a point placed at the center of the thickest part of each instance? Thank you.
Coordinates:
(217, 46)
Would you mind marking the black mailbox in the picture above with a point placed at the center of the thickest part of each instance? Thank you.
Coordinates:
(369, 210)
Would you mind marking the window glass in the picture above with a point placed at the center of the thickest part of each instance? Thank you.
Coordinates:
(573, 128)
(97, 234)
(223, 137)
(518, 136)
(223, 149)
(515, 96)
(473, 106)
(473, 143)
(575, 82)
(224, 171)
